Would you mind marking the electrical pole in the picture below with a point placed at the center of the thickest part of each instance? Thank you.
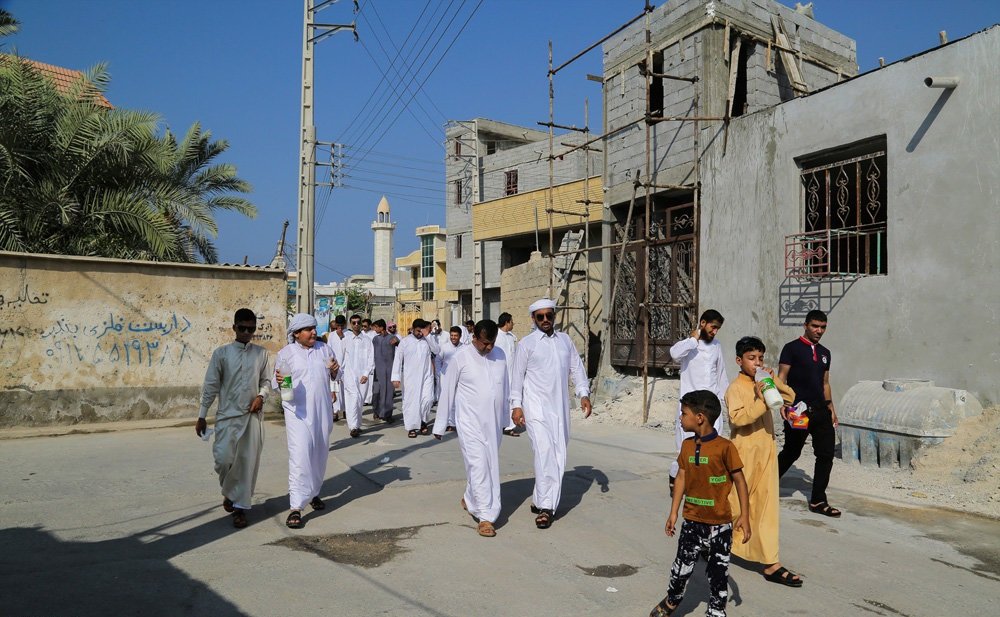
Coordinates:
(307, 153)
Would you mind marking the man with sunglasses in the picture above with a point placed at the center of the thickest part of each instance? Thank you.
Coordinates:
(237, 375)
(544, 362)
(358, 365)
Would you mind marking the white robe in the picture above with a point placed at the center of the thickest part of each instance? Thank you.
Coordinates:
(441, 361)
(337, 385)
(477, 392)
(702, 368)
(359, 361)
(371, 334)
(308, 419)
(236, 374)
(412, 368)
(507, 341)
(542, 366)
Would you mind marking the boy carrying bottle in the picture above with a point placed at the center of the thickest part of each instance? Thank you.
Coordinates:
(709, 468)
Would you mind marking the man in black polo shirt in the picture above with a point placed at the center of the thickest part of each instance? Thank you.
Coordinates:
(805, 366)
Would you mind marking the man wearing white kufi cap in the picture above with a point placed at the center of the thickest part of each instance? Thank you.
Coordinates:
(544, 362)
(309, 415)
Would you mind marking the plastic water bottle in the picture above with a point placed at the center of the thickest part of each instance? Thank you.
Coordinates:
(772, 398)
(287, 394)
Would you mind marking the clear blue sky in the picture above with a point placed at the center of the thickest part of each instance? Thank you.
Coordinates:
(234, 66)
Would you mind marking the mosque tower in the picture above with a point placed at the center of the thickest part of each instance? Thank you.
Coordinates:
(383, 245)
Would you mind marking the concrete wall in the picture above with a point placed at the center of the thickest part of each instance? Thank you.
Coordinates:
(934, 315)
(88, 340)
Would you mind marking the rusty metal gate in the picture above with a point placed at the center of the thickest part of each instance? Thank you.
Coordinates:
(671, 304)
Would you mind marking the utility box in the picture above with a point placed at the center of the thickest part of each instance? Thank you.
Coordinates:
(885, 423)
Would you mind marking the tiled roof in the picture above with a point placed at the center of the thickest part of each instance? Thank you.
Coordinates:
(63, 79)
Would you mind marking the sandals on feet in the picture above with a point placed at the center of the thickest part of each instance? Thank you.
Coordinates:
(317, 503)
(227, 505)
(544, 519)
(783, 577)
(355, 433)
(239, 518)
(294, 520)
(663, 609)
(486, 529)
(449, 429)
(511, 432)
(825, 509)
(412, 434)
(424, 429)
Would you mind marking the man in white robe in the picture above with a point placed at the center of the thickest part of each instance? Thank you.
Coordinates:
(237, 375)
(368, 331)
(441, 361)
(543, 363)
(702, 368)
(335, 339)
(477, 392)
(413, 372)
(507, 341)
(356, 373)
(309, 415)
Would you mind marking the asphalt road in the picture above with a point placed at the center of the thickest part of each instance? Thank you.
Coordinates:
(129, 523)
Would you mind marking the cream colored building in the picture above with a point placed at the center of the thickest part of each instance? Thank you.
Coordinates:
(426, 294)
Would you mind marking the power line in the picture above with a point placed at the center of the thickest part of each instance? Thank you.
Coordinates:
(426, 77)
(371, 113)
(369, 130)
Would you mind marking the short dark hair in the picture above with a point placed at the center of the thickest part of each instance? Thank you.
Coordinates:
(244, 314)
(436, 321)
(711, 316)
(340, 319)
(364, 319)
(355, 316)
(704, 402)
(749, 343)
(456, 329)
(487, 328)
(419, 323)
(470, 323)
(815, 315)
(504, 319)
(379, 322)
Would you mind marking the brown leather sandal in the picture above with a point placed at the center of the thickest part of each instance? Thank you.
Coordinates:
(486, 529)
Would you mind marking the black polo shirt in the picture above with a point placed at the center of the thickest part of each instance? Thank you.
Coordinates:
(806, 372)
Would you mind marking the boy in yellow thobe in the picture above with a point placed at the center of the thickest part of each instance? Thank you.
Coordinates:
(752, 432)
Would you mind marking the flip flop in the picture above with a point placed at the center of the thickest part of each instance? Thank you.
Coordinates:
(294, 520)
(783, 577)
(239, 518)
(825, 509)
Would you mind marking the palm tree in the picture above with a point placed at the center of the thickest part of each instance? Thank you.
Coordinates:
(79, 178)
(8, 25)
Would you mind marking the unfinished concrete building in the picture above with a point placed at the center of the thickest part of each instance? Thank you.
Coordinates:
(674, 80)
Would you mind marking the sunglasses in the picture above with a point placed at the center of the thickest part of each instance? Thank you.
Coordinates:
(545, 316)
(248, 329)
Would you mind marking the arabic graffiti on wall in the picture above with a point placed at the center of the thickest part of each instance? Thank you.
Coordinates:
(117, 341)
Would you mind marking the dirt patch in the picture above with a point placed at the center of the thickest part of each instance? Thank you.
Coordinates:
(622, 569)
(367, 549)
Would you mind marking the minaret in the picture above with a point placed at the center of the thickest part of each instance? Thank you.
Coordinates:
(383, 245)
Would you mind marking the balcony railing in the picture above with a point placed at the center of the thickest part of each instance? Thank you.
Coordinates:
(847, 252)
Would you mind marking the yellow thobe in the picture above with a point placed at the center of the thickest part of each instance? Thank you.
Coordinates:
(753, 434)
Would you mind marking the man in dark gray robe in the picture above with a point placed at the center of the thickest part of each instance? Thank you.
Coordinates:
(385, 352)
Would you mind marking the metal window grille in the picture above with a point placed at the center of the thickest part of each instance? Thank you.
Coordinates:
(510, 182)
(458, 192)
(844, 222)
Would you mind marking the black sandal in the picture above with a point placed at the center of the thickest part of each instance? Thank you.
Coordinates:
(317, 503)
(544, 519)
(449, 429)
(294, 520)
(227, 505)
(355, 433)
(412, 434)
(783, 577)
(511, 432)
(662, 609)
(239, 518)
(424, 429)
(825, 509)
